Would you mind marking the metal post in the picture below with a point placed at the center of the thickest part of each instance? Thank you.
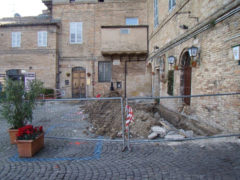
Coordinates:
(123, 125)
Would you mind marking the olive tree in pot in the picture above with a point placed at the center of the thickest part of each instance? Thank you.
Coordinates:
(18, 104)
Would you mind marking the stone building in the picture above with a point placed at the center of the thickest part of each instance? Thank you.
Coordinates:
(213, 28)
(28, 49)
(102, 43)
(92, 46)
(136, 47)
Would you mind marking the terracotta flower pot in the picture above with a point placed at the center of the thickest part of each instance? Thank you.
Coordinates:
(13, 135)
(194, 64)
(27, 148)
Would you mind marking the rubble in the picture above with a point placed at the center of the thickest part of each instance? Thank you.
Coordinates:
(159, 130)
(173, 137)
(187, 134)
(106, 120)
(153, 135)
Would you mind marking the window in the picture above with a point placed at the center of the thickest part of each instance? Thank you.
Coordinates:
(124, 31)
(42, 38)
(104, 71)
(172, 4)
(16, 39)
(71, 1)
(76, 32)
(155, 13)
(100, 0)
(131, 21)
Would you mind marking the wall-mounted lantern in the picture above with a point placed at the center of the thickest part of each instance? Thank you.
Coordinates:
(171, 60)
(155, 49)
(193, 51)
(236, 53)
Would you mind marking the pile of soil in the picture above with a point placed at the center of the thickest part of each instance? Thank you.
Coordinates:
(105, 116)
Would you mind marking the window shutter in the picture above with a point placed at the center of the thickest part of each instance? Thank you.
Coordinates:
(72, 32)
(13, 39)
(39, 38)
(79, 32)
(108, 71)
(44, 38)
(18, 39)
(101, 72)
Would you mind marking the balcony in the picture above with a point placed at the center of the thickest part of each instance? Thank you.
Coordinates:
(124, 40)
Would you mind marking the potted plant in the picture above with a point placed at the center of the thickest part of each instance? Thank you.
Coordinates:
(194, 63)
(30, 140)
(176, 67)
(18, 104)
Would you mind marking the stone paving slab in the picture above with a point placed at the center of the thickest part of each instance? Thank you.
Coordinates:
(66, 156)
(77, 159)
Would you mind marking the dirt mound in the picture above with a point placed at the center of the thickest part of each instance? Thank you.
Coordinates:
(105, 116)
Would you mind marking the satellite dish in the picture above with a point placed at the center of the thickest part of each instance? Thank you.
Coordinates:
(17, 15)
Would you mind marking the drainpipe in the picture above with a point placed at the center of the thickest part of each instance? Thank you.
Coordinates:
(125, 93)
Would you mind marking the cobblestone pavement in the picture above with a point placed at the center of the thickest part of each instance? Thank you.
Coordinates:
(68, 155)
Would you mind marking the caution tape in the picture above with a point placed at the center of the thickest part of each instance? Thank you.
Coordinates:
(130, 117)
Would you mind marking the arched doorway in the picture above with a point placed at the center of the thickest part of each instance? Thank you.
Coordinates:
(186, 76)
(78, 82)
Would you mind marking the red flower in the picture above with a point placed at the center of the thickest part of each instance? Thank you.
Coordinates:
(30, 131)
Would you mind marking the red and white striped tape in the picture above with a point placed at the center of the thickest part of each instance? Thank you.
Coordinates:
(130, 117)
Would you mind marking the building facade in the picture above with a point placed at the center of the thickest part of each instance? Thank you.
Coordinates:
(86, 48)
(28, 49)
(213, 28)
(102, 46)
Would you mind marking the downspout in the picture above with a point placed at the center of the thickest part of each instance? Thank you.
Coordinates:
(58, 59)
(125, 93)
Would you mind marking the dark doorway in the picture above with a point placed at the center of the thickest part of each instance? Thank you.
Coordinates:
(186, 76)
(15, 75)
(78, 82)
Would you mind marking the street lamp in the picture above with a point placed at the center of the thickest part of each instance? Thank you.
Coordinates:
(193, 51)
(171, 60)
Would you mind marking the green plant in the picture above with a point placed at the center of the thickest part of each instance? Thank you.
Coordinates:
(18, 103)
(48, 92)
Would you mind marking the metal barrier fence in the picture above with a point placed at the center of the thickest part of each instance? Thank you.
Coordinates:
(85, 118)
(88, 118)
(206, 115)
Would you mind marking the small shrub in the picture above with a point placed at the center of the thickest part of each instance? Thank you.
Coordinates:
(18, 103)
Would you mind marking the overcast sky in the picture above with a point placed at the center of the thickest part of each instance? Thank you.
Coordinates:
(24, 7)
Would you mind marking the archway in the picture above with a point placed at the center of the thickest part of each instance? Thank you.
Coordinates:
(186, 76)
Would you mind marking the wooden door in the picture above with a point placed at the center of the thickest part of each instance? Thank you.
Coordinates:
(78, 83)
(187, 76)
(187, 84)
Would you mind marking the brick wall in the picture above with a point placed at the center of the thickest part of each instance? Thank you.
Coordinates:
(30, 57)
(87, 54)
(217, 71)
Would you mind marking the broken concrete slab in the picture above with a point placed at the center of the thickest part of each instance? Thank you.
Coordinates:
(159, 130)
(153, 135)
(174, 137)
(188, 133)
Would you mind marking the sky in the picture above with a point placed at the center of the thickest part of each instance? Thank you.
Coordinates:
(24, 7)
